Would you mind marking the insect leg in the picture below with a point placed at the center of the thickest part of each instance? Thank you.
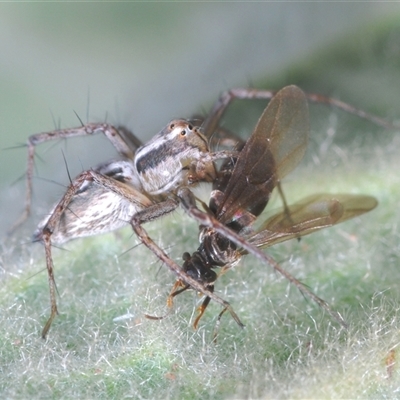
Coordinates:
(170, 302)
(136, 223)
(189, 204)
(175, 291)
(203, 307)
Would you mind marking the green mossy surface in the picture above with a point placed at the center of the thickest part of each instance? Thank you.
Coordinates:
(101, 346)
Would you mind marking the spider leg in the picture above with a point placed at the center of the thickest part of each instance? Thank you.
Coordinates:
(124, 142)
(152, 213)
(210, 124)
(52, 225)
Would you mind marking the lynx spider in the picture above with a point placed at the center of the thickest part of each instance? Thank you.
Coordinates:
(150, 181)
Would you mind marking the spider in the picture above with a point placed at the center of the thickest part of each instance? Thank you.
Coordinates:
(149, 181)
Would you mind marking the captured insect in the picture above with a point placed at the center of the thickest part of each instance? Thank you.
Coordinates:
(150, 181)
(242, 190)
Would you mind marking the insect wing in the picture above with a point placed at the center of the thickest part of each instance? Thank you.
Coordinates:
(288, 131)
(276, 146)
(311, 214)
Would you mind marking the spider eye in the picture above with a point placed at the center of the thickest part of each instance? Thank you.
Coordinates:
(190, 127)
(172, 126)
(183, 133)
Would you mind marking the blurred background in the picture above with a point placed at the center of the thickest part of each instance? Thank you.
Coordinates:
(144, 64)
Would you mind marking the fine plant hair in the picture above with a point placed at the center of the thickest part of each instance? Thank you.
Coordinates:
(285, 335)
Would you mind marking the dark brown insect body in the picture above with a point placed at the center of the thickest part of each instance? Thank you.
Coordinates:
(242, 190)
